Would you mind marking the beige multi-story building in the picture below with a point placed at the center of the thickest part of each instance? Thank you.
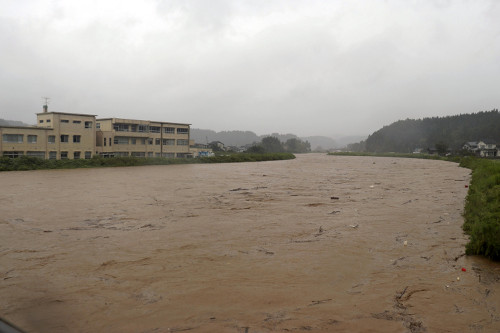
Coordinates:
(142, 138)
(60, 135)
(57, 135)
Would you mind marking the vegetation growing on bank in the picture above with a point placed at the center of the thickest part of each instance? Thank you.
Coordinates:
(35, 163)
(482, 207)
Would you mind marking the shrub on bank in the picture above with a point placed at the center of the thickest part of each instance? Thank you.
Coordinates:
(34, 163)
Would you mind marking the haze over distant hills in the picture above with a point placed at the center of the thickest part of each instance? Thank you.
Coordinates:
(4, 122)
(242, 138)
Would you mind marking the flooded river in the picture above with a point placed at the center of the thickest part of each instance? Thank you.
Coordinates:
(316, 244)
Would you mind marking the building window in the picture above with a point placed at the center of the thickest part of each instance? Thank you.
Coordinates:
(121, 153)
(169, 142)
(41, 121)
(105, 142)
(77, 122)
(133, 128)
(52, 155)
(169, 130)
(133, 141)
(120, 127)
(143, 128)
(182, 131)
(64, 121)
(169, 155)
(48, 120)
(150, 154)
(143, 141)
(157, 141)
(98, 125)
(76, 155)
(121, 140)
(154, 129)
(32, 138)
(39, 154)
(182, 142)
(13, 154)
(64, 138)
(51, 139)
(109, 141)
(64, 155)
(88, 124)
(76, 138)
(150, 141)
(88, 155)
(138, 154)
(13, 138)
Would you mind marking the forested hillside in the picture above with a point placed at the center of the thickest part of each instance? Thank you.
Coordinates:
(453, 131)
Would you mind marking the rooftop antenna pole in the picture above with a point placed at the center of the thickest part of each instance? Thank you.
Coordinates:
(46, 105)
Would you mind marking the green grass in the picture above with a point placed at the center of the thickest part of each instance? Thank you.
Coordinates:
(35, 163)
(482, 206)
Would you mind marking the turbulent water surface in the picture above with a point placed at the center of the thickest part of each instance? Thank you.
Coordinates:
(317, 244)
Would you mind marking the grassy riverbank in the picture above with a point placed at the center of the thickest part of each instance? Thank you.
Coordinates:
(482, 207)
(34, 163)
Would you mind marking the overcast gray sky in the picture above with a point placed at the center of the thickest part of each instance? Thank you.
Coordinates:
(289, 66)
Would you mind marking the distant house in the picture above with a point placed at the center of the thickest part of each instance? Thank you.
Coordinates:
(483, 148)
(200, 150)
(217, 145)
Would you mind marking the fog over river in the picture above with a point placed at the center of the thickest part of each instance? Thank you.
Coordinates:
(316, 244)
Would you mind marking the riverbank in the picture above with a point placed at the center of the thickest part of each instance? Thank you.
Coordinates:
(25, 163)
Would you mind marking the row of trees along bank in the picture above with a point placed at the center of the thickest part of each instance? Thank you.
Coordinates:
(272, 144)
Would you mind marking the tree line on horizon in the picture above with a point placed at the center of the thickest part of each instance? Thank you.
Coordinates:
(451, 132)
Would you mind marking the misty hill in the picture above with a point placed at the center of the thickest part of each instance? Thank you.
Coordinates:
(4, 122)
(229, 138)
(453, 131)
(242, 138)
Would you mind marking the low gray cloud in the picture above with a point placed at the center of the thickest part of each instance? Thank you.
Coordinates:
(305, 67)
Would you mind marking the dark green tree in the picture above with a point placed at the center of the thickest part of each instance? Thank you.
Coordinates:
(297, 146)
(441, 148)
(257, 149)
(272, 144)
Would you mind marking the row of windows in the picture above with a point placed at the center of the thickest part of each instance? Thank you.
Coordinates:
(123, 140)
(146, 129)
(19, 138)
(88, 124)
(52, 154)
(144, 154)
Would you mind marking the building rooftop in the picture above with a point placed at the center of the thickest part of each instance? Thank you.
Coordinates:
(151, 121)
(68, 113)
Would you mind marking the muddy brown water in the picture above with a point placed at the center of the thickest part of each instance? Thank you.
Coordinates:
(316, 244)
